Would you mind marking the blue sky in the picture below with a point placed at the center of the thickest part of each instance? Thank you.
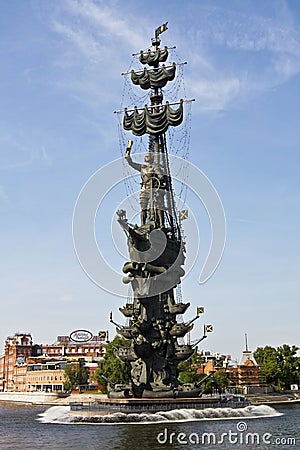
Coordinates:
(60, 83)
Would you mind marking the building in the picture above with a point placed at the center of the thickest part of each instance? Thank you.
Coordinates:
(26, 367)
(91, 351)
(248, 372)
(13, 361)
(46, 375)
(244, 375)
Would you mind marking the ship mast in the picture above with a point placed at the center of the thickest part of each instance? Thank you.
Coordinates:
(160, 143)
(155, 120)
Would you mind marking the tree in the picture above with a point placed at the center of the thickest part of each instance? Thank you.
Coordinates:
(288, 364)
(75, 375)
(279, 366)
(266, 358)
(219, 381)
(111, 366)
(188, 369)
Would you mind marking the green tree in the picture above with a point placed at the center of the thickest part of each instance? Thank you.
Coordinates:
(266, 358)
(75, 376)
(288, 363)
(187, 370)
(279, 366)
(111, 366)
(219, 382)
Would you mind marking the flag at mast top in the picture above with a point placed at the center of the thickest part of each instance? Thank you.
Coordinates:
(158, 31)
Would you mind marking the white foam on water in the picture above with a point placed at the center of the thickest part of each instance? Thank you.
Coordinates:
(62, 415)
(56, 414)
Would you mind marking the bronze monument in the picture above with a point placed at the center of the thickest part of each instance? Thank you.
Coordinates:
(156, 248)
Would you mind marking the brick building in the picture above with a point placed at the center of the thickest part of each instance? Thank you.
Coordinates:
(93, 350)
(13, 361)
(248, 373)
(244, 375)
(26, 367)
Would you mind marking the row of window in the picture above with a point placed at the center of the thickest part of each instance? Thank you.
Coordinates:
(36, 367)
(39, 387)
(45, 378)
(74, 350)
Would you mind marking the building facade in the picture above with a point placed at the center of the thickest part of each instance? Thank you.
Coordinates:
(13, 361)
(244, 376)
(27, 367)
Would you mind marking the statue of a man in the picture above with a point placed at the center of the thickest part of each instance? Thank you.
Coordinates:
(153, 181)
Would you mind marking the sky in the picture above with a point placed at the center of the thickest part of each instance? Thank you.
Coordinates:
(61, 65)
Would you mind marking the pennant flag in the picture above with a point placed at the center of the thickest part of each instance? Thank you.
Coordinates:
(161, 29)
(209, 328)
(184, 214)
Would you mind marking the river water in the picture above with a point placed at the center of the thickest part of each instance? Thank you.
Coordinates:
(256, 427)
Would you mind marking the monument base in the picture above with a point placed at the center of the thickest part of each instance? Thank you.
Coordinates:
(152, 405)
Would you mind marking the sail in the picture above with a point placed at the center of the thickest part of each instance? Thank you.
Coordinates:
(153, 122)
(152, 58)
(154, 78)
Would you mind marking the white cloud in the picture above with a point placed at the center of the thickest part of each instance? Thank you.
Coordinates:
(16, 154)
(82, 40)
(107, 20)
(240, 55)
(233, 54)
(214, 94)
(98, 31)
(249, 32)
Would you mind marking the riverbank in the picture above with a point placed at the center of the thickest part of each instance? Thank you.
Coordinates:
(51, 399)
(275, 398)
(39, 398)
(48, 398)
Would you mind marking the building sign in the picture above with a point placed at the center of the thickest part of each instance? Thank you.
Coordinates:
(81, 336)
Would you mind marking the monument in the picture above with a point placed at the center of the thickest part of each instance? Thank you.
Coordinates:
(156, 246)
(157, 337)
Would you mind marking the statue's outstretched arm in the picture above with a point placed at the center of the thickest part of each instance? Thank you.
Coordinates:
(133, 164)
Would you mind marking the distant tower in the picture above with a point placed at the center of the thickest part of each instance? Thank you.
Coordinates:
(248, 370)
(247, 354)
